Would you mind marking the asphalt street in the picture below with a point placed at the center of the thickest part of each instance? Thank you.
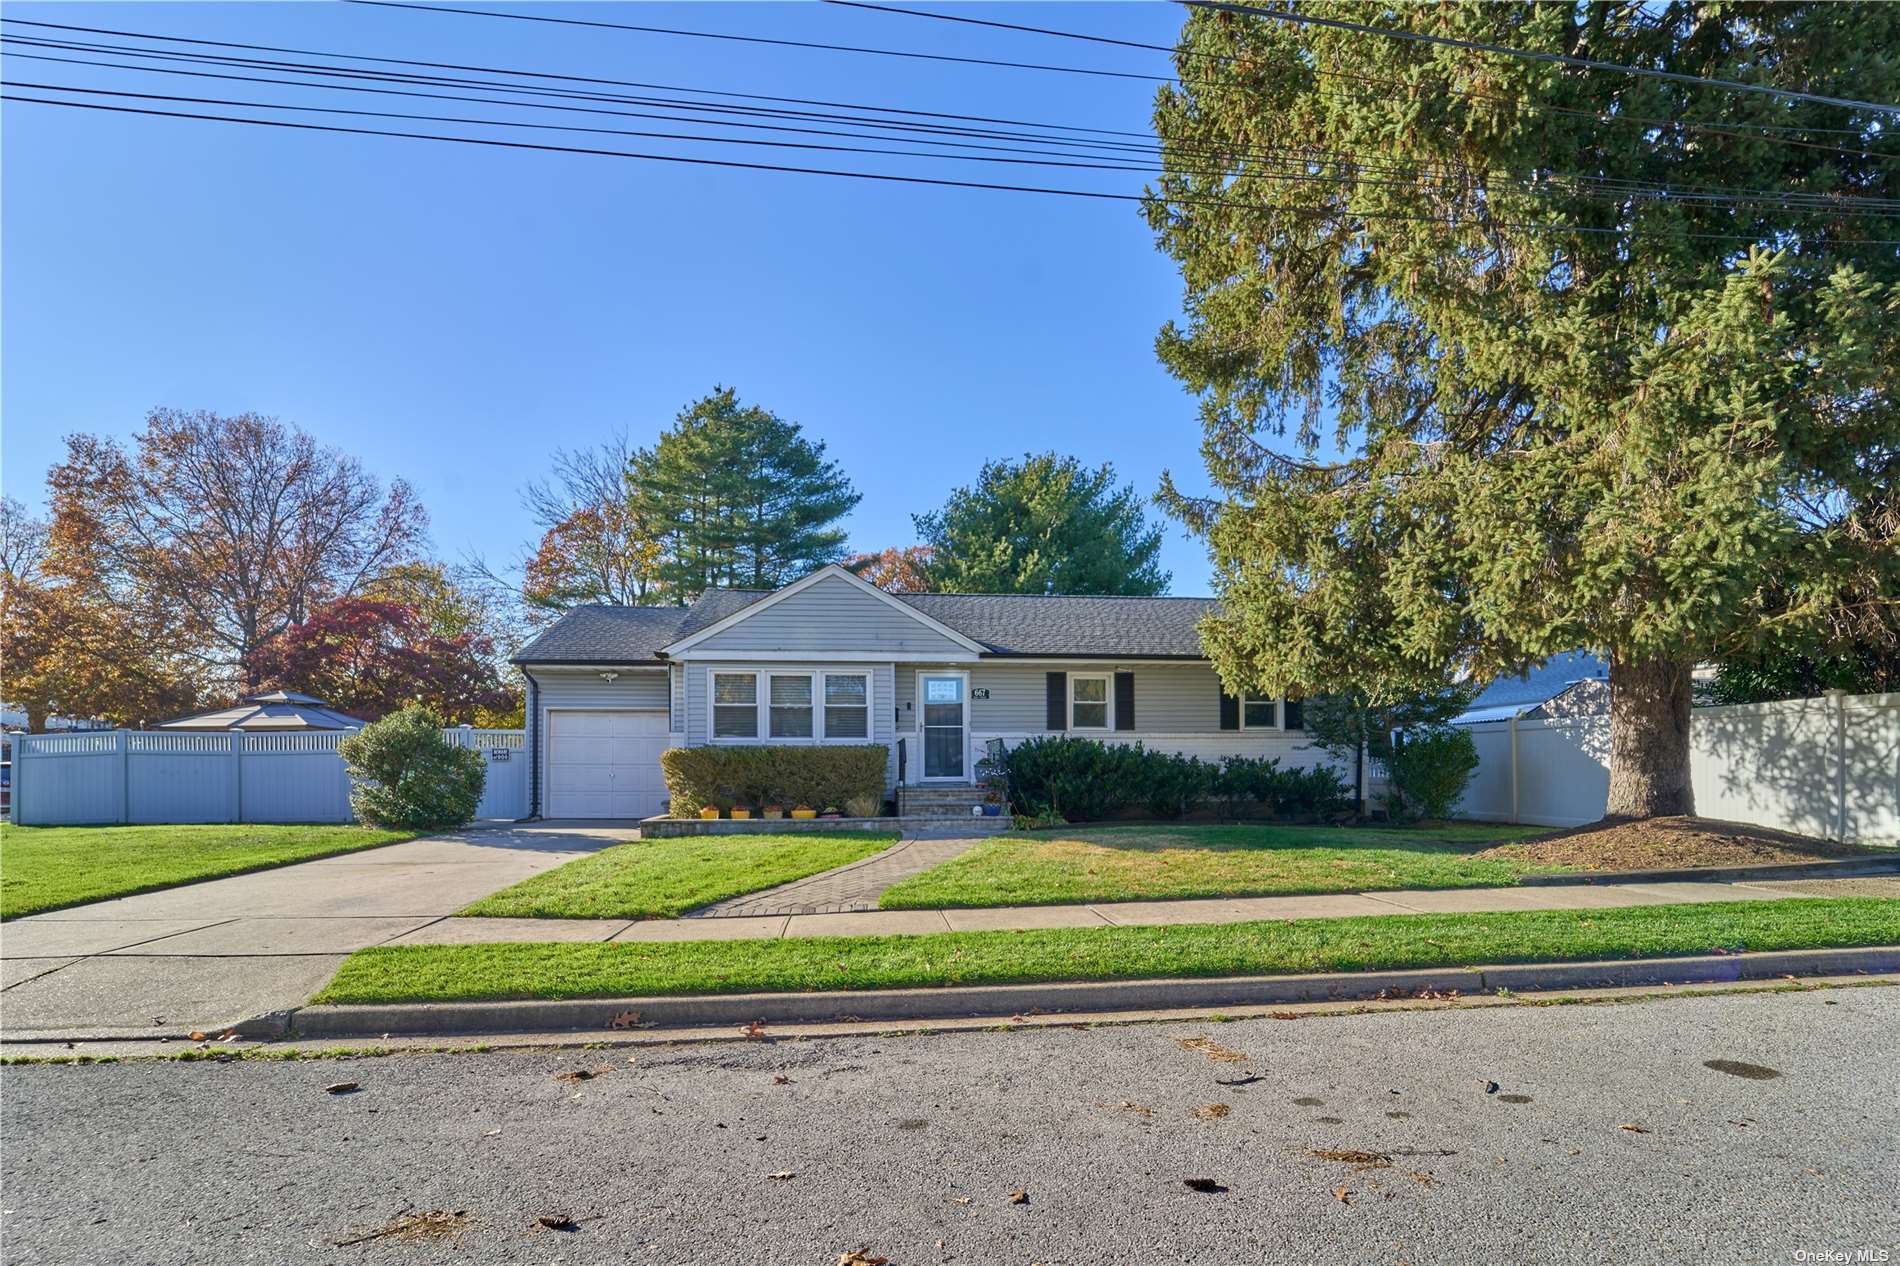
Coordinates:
(1609, 1137)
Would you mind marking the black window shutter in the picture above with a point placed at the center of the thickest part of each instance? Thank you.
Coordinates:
(1057, 714)
(1229, 711)
(1294, 711)
(1124, 701)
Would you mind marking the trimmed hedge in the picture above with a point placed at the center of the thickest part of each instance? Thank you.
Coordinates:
(824, 777)
(1085, 780)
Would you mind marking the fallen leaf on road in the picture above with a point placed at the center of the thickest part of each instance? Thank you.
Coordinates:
(1283, 1015)
(556, 1222)
(341, 1088)
(1019, 1196)
(1633, 1129)
(1422, 1178)
(229, 1037)
(195, 1036)
(861, 1257)
(429, 1224)
(575, 1075)
(1211, 1049)
(1212, 1111)
(782, 1175)
(625, 1020)
(1205, 1185)
(1342, 1195)
(752, 1032)
(780, 1079)
(1369, 1160)
(489, 1134)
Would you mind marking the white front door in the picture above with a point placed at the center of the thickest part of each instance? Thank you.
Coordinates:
(944, 708)
(606, 763)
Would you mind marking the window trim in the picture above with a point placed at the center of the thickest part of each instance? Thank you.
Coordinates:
(1273, 724)
(762, 695)
(1108, 702)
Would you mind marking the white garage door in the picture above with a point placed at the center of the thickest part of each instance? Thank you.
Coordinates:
(605, 764)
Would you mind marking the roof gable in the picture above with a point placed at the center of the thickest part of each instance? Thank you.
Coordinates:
(830, 611)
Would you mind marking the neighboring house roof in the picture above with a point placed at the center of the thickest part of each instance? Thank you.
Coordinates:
(271, 710)
(1039, 625)
(1509, 697)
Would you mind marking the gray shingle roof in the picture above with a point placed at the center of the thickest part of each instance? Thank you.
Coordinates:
(1007, 624)
(1035, 624)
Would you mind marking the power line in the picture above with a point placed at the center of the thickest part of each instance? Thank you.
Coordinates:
(1296, 168)
(889, 177)
(1588, 63)
(780, 43)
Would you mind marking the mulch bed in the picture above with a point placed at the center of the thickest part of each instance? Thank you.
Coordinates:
(1674, 843)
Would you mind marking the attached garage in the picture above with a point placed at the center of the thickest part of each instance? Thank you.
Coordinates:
(605, 763)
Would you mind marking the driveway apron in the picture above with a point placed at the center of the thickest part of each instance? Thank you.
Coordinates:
(209, 954)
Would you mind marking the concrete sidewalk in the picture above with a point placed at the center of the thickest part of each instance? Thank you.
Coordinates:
(1131, 913)
(204, 955)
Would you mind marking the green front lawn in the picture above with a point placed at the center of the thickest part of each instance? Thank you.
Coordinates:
(659, 879)
(52, 867)
(1167, 863)
(445, 973)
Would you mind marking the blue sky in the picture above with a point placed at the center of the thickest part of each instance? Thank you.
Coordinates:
(454, 314)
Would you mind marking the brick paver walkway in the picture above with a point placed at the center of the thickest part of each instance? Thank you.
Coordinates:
(848, 888)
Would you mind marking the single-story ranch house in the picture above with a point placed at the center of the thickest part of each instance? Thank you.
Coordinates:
(832, 659)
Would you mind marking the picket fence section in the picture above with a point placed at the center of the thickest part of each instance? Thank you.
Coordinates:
(1828, 766)
(148, 777)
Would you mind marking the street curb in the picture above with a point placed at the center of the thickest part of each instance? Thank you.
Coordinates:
(1846, 868)
(1003, 1001)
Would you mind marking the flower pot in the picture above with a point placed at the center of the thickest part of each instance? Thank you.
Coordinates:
(802, 813)
(992, 810)
(708, 812)
(772, 812)
(741, 814)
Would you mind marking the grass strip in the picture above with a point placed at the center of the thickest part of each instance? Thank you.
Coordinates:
(53, 867)
(1075, 866)
(443, 973)
(663, 878)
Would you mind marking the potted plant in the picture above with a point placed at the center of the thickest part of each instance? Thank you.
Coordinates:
(741, 812)
(772, 811)
(804, 811)
(709, 811)
(831, 812)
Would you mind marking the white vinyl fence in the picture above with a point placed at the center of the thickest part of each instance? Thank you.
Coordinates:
(1828, 767)
(130, 776)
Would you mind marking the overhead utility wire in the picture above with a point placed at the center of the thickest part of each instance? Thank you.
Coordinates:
(1300, 166)
(1588, 63)
(886, 177)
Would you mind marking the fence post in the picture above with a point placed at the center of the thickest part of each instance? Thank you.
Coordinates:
(125, 775)
(1514, 769)
(237, 776)
(1838, 698)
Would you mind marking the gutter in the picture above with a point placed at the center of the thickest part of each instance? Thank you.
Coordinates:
(533, 719)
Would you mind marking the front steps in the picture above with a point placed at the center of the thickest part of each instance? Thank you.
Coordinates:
(957, 800)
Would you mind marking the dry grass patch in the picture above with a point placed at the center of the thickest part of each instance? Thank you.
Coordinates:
(1671, 844)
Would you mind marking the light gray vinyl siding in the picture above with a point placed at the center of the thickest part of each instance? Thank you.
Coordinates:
(644, 688)
(833, 615)
(1169, 698)
(697, 679)
(677, 717)
(905, 705)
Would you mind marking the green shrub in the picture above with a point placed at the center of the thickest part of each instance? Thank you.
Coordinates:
(1085, 780)
(1430, 769)
(824, 777)
(404, 774)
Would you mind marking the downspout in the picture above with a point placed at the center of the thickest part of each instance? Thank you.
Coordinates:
(532, 717)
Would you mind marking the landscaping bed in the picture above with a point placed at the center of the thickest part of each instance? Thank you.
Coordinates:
(1677, 843)
(449, 973)
(52, 867)
(664, 878)
(1178, 862)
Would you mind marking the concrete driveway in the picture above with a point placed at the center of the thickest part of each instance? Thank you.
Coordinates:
(207, 955)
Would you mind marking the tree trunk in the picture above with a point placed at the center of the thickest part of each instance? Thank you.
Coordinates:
(1649, 738)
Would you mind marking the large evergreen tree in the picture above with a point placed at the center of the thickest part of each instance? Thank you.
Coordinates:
(738, 496)
(1500, 357)
(1046, 524)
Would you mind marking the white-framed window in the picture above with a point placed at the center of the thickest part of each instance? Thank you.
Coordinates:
(1259, 712)
(801, 706)
(1088, 701)
(847, 705)
(735, 705)
(791, 708)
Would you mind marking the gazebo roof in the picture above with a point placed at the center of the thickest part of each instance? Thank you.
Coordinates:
(270, 710)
